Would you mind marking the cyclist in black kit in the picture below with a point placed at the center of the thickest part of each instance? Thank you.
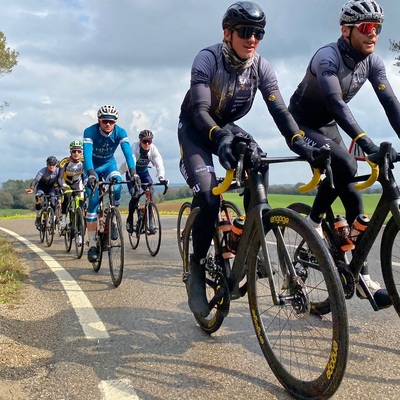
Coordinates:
(224, 81)
(333, 77)
(45, 182)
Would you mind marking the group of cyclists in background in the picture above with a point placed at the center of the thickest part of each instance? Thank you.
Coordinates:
(92, 159)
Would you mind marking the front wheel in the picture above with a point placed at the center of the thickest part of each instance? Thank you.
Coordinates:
(390, 259)
(99, 244)
(79, 232)
(152, 229)
(306, 351)
(68, 231)
(116, 252)
(134, 237)
(50, 227)
(42, 225)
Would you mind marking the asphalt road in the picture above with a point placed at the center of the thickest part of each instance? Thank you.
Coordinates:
(141, 341)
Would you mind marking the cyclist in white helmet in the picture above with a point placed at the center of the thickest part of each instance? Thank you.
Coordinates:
(99, 144)
(335, 74)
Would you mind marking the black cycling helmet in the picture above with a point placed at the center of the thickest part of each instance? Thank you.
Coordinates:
(146, 134)
(243, 13)
(361, 10)
(51, 160)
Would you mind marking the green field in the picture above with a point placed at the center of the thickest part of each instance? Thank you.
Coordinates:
(283, 200)
(276, 200)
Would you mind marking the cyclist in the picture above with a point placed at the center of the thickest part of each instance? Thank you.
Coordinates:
(70, 176)
(335, 74)
(45, 182)
(224, 81)
(146, 154)
(99, 144)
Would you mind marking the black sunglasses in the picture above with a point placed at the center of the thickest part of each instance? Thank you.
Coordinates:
(146, 141)
(246, 32)
(108, 121)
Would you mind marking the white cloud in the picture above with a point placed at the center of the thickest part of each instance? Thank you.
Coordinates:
(77, 55)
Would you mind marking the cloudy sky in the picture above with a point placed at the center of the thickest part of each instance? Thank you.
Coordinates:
(77, 55)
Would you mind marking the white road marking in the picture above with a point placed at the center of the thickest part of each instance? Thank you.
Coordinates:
(91, 323)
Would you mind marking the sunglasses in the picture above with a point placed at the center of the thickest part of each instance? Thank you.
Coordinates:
(146, 141)
(76, 151)
(108, 121)
(246, 32)
(367, 27)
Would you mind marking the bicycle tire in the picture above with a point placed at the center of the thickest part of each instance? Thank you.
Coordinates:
(390, 261)
(306, 352)
(116, 252)
(214, 282)
(42, 225)
(79, 232)
(58, 218)
(99, 244)
(68, 231)
(183, 215)
(50, 227)
(134, 237)
(230, 208)
(153, 229)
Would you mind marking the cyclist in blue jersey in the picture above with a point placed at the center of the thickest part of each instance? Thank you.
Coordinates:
(146, 155)
(99, 144)
(224, 80)
(45, 182)
(335, 74)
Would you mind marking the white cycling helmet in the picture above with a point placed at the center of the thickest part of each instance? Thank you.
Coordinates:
(107, 112)
(361, 10)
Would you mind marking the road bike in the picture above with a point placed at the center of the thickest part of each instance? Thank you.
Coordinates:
(47, 224)
(75, 222)
(146, 220)
(228, 211)
(349, 264)
(287, 271)
(109, 235)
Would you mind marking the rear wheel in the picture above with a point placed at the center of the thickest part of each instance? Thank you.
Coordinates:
(306, 351)
(183, 215)
(116, 252)
(390, 259)
(153, 229)
(217, 290)
(79, 232)
(50, 226)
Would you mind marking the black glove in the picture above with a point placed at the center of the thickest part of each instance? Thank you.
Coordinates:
(252, 156)
(367, 145)
(92, 182)
(224, 138)
(309, 153)
(134, 177)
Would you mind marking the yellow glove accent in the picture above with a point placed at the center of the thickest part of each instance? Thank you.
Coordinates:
(300, 133)
(359, 136)
(211, 131)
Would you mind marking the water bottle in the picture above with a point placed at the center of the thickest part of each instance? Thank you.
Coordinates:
(225, 227)
(343, 231)
(235, 233)
(358, 227)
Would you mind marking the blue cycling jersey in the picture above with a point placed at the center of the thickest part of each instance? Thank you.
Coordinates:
(99, 149)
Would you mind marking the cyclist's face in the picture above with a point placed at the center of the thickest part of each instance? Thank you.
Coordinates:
(363, 43)
(244, 48)
(107, 125)
(76, 154)
(51, 167)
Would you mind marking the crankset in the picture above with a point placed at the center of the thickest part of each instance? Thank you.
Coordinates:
(347, 279)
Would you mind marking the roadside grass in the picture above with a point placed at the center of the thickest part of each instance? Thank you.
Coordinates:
(12, 274)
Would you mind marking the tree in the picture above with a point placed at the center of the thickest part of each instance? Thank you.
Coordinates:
(8, 60)
(395, 46)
